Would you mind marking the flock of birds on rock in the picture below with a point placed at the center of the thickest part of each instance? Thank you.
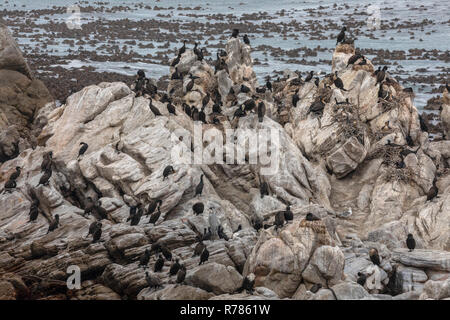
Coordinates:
(144, 86)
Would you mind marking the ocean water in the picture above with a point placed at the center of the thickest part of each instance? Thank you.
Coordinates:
(282, 24)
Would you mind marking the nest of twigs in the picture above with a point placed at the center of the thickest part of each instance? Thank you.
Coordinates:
(405, 175)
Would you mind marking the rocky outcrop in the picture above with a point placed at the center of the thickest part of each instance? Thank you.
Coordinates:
(349, 165)
(21, 98)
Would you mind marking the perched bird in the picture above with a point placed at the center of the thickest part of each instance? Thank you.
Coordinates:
(198, 208)
(235, 33)
(239, 113)
(279, 220)
(257, 223)
(97, 234)
(174, 268)
(34, 210)
(244, 89)
(54, 224)
(295, 98)
(46, 161)
(45, 177)
(167, 170)
(153, 281)
(93, 227)
(341, 35)
(309, 76)
(311, 217)
(166, 253)
(154, 109)
(204, 256)
(171, 108)
(182, 49)
(362, 277)
(155, 216)
(374, 256)
(15, 174)
(433, 192)
(200, 246)
(199, 187)
(136, 218)
(187, 109)
(145, 258)
(263, 188)
(221, 233)
(410, 242)
(338, 82)
(288, 215)
(202, 115)
(181, 275)
(88, 206)
(83, 148)
(316, 106)
(268, 85)
(153, 205)
(100, 211)
(207, 234)
(261, 111)
(175, 61)
(381, 74)
(159, 264)
(9, 185)
(246, 40)
(216, 108)
(249, 105)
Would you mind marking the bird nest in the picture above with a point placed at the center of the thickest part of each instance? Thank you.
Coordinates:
(389, 154)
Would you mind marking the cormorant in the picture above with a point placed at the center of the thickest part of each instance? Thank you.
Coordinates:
(268, 85)
(433, 192)
(279, 220)
(354, 58)
(374, 256)
(167, 171)
(410, 242)
(159, 264)
(205, 100)
(93, 226)
(216, 108)
(423, 124)
(235, 33)
(187, 109)
(47, 161)
(199, 187)
(338, 82)
(199, 248)
(381, 74)
(317, 106)
(309, 76)
(244, 88)
(171, 108)
(152, 281)
(145, 258)
(182, 49)
(136, 218)
(204, 256)
(198, 208)
(362, 277)
(83, 148)
(341, 35)
(54, 224)
(174, 268)
(45, 177)
(175, 61)
(246, 40)
(152, 206)
(166, 252)
(295, 99)
(288, 215)
(154, 109)
(97, 234)
(34, 210)
(181, 274)
(239, 113)
(155, 216)
(15, 174)
(202, 115)
(221, 233)
(311, 217)
(263, 188)
(206, 234)
(10, 184)
(249, 105)
(88, 206)
(261, 111)
(257, 223)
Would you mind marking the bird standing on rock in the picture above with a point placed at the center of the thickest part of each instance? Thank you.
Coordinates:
(153, 281)
(171, 108)
(338, 82)
(374, 256)
(167, 171)
(246, 40)
(295, 98)
(309, 76)
(204, 256)
(198, 208)
(155, 216)
(174, 268)
(235, 33)
(199, 187)
(34, 210)
(45, 177)
(181, 274)
(46, 161)
(288, 215)
(199, 248)
(154, 109)
(410, 242)
(54, 224)
(341, 35)
(152, 206)
(84, 147)
(97, 234)
(279, 220)
(144, 259)
(15, 174)
(311, 217)
(362, 277)
(159, 264)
